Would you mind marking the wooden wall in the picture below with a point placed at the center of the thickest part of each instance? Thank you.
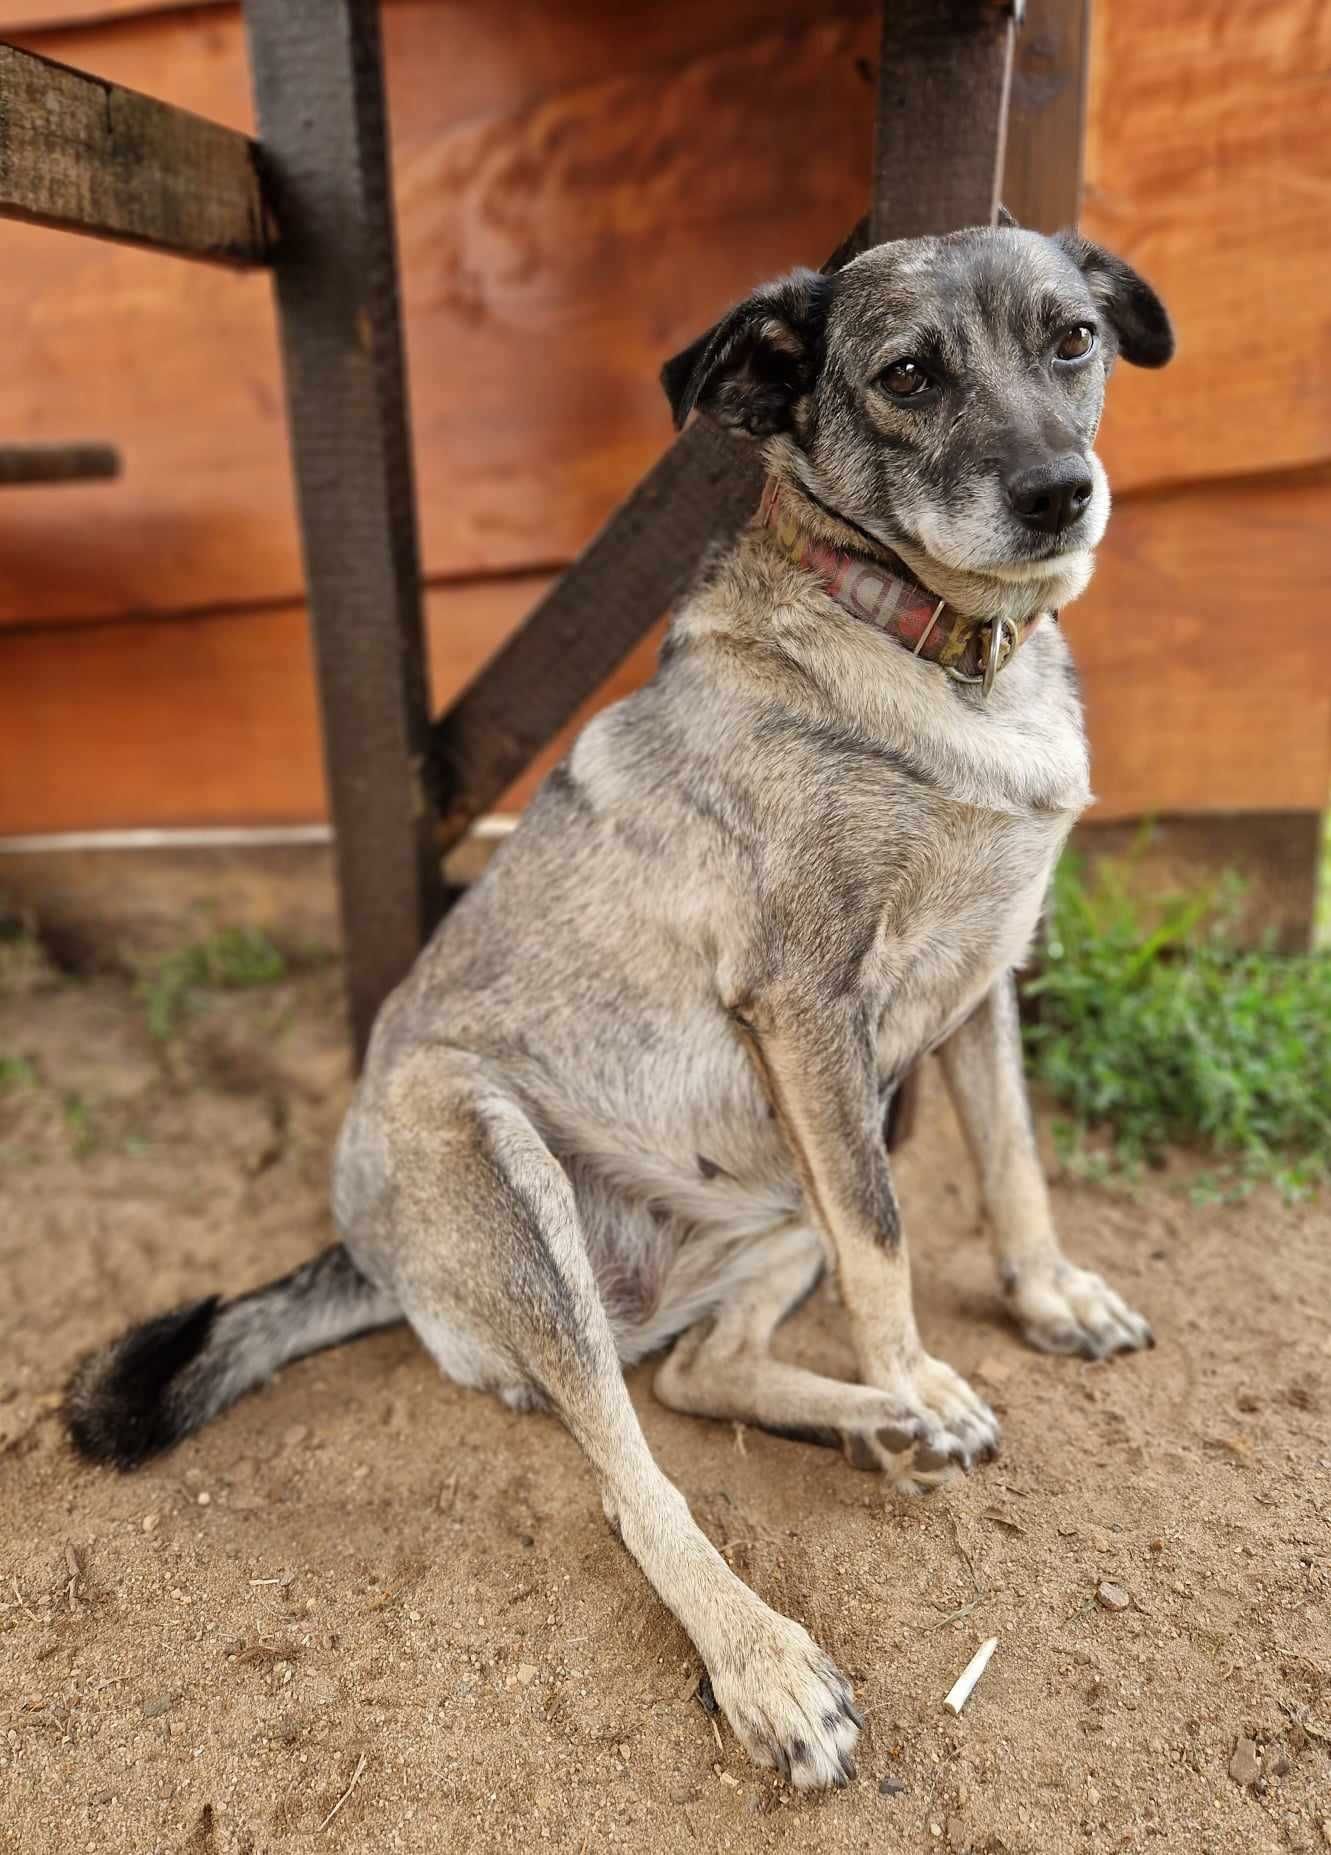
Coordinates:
(581, 188)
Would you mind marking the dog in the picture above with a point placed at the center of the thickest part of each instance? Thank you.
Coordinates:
(632, 1095)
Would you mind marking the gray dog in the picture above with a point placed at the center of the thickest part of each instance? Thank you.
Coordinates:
(634, 1090)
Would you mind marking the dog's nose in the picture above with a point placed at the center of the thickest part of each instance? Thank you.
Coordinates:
(1051, 497)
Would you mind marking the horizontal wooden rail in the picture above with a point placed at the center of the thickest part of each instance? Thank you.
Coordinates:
(86, 156)
(56, 463)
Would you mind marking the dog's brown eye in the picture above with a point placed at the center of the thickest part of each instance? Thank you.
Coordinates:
(904, 379)
(1077, 343)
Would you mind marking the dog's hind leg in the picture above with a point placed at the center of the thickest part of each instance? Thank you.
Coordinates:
(1059, 1307)
(482, 1244)
(723, 1368)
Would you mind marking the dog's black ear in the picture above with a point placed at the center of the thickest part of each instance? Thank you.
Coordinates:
(751, 368)
(1140, 320)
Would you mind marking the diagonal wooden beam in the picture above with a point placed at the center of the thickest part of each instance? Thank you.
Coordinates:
(701, 493)
(86, 156)
(704, 489)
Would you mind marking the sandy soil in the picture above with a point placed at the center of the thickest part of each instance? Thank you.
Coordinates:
(363, 1573)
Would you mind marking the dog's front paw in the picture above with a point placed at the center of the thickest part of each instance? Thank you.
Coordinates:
(1064, 1309)
(790, 1705)
(937, 1427)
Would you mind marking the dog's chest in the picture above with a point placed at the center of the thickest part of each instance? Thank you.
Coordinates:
(960, 908)
(953, 852)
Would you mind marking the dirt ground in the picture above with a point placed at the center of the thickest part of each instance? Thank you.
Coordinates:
(367, 1611)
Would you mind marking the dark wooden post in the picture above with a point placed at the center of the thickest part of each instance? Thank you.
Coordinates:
(943, 85)
(319, 90)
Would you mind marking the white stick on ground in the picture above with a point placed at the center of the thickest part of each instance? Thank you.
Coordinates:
(970, 1674)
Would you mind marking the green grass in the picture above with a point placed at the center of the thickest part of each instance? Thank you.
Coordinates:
(233, 958)
(79, 1123)
(1159, 1030)
(16, 1072)
(1322, 906)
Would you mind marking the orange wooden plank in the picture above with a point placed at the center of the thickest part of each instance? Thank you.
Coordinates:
(1209, 165)
(208, 721)
(581, 189)
(571, 212)
(1202, 646)
(46, 16)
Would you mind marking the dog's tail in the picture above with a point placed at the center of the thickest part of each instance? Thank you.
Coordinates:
(161, 1381)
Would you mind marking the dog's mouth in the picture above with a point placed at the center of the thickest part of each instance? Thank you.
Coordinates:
(1025, 557)
(1018, 572)
(1033, 556)
(986, 537)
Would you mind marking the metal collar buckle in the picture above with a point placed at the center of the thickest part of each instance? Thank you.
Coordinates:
(1002, 645)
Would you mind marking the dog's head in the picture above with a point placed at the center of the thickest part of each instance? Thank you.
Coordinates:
(942, 395)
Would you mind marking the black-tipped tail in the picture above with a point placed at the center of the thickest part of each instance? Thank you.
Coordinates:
(147, 1390)
(118, 1405)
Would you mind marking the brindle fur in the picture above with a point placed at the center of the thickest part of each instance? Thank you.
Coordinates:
(633, 1091)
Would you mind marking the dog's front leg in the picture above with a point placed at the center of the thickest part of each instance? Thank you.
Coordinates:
(1059, 1307)
(817, 1058)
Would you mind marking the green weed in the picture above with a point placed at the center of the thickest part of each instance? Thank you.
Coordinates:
(233, 958)
(16, 1072)
(78, 1121)
(1157, 1029)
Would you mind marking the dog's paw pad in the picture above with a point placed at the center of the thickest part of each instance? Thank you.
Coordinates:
(936, 1428)
(1071, 1310)
(791, 1707)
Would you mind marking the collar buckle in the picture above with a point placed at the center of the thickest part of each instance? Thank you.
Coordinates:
(1003, 641)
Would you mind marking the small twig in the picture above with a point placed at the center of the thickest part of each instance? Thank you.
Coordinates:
(966, 1557)
(355, 1779)
(740, 1444)
(23, 1605)
(955, 1616)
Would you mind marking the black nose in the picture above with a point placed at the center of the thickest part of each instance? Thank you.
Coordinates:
(1051, 497)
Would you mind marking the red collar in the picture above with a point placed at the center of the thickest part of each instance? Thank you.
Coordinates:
(971, 650)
